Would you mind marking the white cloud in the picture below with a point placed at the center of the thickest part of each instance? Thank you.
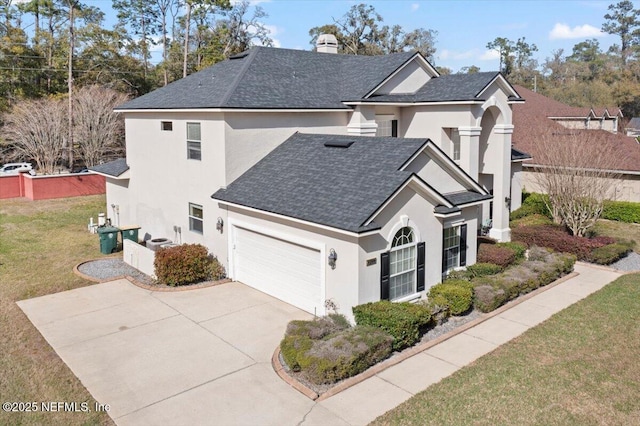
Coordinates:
(490, 55)
(453, 55)
(273, 31)
(415, 6)
(563, 31)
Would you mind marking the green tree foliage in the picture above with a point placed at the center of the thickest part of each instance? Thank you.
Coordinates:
(623, 21)
(360, 32)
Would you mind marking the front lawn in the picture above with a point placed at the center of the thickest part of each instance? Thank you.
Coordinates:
(580, 367)
(40, 242)
(621, 230)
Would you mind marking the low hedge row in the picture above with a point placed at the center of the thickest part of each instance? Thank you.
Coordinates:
(606, 255)
(556, 238)
(501, 254)
(403, 321)
(542, 268)
(622, 211)
(456, 295)
(328, 349)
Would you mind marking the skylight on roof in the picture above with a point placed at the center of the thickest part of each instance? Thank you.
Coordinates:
(338, 144)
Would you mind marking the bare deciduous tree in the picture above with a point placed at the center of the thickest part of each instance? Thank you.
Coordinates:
(98, 130)
(576, 170)
(37, 131)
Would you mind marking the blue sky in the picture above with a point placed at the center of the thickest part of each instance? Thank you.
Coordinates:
(464, 27)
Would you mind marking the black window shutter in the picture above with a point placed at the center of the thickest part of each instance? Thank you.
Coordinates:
(444, 255)
(463, 244)
(394, 128)
(384, 276)
(420, 267)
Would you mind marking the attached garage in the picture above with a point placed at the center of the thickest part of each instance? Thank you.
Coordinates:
(284, 269)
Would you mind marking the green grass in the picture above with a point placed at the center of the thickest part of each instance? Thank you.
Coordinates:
(625, 231)
(580, 367)
(40, 242)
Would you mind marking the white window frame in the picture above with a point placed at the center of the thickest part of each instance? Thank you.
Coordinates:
(447, 249)
(194, 145)
(455, 144)
(194, 219)
(403, 257)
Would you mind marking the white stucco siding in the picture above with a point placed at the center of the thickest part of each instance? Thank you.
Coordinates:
(118, 194)
(339, 284)
(163, 181)
(427, 121)
(406, 209)
(251, 136)
(408, 80)
(434, 174)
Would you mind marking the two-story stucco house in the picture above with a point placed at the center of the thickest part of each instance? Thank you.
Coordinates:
(316, 176)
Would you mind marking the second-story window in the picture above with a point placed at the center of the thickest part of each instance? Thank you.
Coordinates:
(194, 149)
(455, 141)
(387, 126)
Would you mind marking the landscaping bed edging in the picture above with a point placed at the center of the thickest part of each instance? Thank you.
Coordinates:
(405, 354)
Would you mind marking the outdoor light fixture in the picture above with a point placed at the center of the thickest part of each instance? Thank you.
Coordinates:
(219, 224)
(332, 258)
(507, 201)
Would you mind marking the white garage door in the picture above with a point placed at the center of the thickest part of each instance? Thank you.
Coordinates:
(287, 271)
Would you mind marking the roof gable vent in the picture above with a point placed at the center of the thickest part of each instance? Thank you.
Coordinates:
(338, 144)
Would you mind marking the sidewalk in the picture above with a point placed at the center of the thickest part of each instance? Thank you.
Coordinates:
(376, 395)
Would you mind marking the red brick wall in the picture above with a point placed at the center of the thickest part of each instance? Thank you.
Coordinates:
(10, 187)
(47, 187)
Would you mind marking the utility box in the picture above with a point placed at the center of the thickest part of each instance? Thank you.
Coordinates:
(108, 239)
(129, 233)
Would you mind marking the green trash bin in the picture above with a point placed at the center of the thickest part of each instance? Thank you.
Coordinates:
(108, 239)
(129, 233)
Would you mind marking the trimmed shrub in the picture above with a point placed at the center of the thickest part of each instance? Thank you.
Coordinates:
(556, 238)
(488, 297)
(183, 264)
(542, 268)
(609, 254)
(458, 295)
(622, 211)
(519, 249)
(483, 269)
(532, 203)
(439, 308)
(404, 321)
(328, 349)
(534, 219)
(344, 354)
(216, 270)
(496, 254)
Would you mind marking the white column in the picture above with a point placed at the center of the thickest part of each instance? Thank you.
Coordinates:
(363, 121)
(502, 184)
(470, 149)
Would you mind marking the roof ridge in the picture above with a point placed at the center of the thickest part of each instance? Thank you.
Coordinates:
(249, 60)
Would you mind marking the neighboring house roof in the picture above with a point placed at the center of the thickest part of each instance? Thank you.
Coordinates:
(270, 78)
(114, 168)
(634, 124)
(339, 181)
(531, 123)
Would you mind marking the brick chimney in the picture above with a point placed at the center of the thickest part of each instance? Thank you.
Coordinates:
(327, 43)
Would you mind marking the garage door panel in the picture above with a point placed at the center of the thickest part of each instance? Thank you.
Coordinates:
(285, 270)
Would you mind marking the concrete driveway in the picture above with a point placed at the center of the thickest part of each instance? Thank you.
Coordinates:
(191, 357)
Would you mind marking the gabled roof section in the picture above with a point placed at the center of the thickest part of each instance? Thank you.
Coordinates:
(634, 123)
(270, 78)
(408, 78)
(328, 185)
(339, 181)
(450, 88)
(114, 169)
(517, 155)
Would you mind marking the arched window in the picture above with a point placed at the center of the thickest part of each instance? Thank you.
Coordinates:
(402, 264)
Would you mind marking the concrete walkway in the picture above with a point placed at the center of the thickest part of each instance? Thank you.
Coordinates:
(202, 356)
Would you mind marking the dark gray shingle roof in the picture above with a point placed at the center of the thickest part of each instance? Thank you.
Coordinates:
(455, 87)
(113, 168)
(465, 197)
(519, 155)
(265, 77)
(338, 187)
